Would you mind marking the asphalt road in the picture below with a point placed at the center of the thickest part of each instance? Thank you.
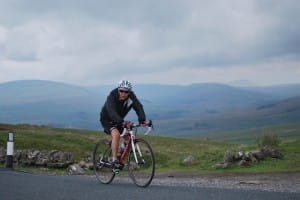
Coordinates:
(24, 186)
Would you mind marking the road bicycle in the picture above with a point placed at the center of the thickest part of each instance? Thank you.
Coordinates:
(136, 156)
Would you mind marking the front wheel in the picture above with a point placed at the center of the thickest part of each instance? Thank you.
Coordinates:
(102, 167)
(141, 167)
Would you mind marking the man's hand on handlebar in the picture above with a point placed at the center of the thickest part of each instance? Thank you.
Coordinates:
(130, 125)
(144, 123)
(126, 123)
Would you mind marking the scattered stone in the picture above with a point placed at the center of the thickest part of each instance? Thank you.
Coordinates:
(86, 165)
(188, 161)
(243, 163)
(75, 169)
(222, 165)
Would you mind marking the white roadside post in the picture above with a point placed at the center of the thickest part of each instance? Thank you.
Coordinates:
(10, 150)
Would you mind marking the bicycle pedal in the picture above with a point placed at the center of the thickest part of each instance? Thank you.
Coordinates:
(116, 171)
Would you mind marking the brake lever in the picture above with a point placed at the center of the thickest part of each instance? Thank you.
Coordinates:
(148, 131)
(150, 127)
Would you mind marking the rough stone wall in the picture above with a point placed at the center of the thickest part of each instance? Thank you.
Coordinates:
(51, 158)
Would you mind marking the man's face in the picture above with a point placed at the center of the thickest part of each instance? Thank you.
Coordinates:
(123, 94)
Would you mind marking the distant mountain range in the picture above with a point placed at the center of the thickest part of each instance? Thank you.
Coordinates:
(176, 110)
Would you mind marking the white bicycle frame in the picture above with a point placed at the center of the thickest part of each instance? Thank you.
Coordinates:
(132, 134)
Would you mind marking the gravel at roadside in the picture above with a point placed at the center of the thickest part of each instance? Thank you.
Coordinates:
(279, 182)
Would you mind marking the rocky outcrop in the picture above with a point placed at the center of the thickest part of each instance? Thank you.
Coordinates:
(245, 158)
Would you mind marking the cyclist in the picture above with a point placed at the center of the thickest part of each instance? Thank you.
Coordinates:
(118, 103)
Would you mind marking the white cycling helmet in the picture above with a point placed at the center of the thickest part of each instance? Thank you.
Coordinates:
(125, 84)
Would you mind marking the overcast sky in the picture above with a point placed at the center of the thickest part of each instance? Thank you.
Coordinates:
(92, 42)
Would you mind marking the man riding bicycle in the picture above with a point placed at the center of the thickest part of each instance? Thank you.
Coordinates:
(118, 103)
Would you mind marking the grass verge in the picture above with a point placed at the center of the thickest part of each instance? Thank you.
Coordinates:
(169, 152)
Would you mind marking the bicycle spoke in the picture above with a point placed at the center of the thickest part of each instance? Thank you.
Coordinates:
(142, 171)
(102, 166)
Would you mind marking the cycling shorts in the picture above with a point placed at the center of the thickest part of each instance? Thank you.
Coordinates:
(109, 126)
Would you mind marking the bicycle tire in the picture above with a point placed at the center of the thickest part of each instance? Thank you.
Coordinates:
(142, 172)
(102, 152)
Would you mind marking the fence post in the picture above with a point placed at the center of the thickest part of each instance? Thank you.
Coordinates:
(10, 150)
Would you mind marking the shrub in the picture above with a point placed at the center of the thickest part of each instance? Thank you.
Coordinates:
(269, 139)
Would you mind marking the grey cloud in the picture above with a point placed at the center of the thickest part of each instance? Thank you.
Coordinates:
(153, 35)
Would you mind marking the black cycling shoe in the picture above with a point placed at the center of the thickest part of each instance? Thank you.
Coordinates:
(116, 166)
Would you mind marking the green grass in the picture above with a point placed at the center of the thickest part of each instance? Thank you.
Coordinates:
(289, 131)
(169, 152)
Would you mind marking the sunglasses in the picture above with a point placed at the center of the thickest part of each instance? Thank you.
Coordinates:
(124, 91)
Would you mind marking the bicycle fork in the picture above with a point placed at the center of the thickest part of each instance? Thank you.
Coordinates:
(134, 148)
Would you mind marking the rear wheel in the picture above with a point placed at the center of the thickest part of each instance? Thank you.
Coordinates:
(141, 171)
(102, 167)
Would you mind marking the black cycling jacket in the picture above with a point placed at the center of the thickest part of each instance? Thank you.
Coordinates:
(115, 110)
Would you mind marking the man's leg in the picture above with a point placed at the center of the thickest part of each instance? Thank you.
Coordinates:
(115, 134)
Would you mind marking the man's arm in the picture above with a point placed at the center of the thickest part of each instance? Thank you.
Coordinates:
(138, 107)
